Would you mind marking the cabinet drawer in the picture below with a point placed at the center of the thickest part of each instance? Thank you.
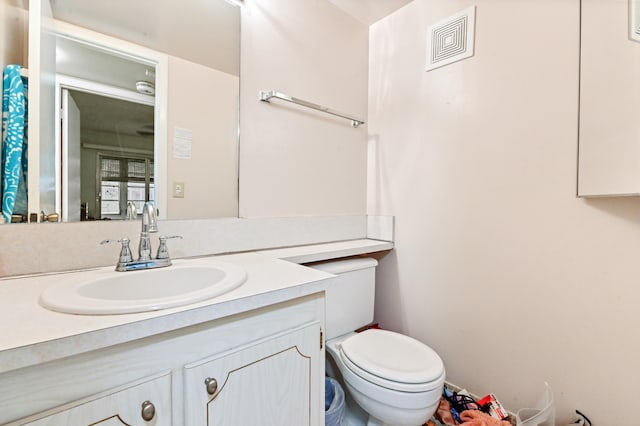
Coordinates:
(124, 405)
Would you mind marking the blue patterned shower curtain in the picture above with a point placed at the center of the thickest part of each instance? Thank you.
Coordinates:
(13, 169)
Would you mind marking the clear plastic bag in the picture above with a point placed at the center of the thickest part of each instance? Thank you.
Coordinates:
(334, 414)
(544, 414)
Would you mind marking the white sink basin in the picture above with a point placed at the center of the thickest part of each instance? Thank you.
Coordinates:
(110, 292)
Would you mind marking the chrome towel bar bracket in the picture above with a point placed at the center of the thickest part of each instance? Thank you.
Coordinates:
(267, 96)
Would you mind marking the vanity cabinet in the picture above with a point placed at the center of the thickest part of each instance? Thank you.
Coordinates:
(146, 402)
(268, 364)
(269, 382)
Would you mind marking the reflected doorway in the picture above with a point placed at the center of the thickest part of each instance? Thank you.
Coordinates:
(107, 154)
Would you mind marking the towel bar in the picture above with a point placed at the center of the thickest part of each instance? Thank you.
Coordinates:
(266, 96)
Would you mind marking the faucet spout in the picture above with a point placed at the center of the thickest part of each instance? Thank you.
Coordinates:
(149, 224)
(149, 218)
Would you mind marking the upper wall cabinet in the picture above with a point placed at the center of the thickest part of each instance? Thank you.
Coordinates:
(609, 147)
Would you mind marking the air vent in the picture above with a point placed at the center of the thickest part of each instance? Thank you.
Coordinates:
(451, 39)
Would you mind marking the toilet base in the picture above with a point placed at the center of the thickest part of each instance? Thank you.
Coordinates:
(355, 415)
(376, 422)
(358, 417)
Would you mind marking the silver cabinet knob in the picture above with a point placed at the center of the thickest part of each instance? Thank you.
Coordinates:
(148, 411)
(211, 384)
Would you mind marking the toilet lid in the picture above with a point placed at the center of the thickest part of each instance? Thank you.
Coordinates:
(393, 357)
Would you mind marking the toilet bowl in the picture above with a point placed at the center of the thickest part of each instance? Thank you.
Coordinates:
(395, 379)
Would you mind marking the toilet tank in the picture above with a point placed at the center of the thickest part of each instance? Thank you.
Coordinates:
(350, 295)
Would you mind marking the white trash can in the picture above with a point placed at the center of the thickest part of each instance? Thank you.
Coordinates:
(333, 402)
(544, 414)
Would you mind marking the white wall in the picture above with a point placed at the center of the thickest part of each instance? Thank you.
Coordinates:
(498, 266)
(295, 161)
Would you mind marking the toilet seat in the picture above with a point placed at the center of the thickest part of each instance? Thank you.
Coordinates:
(393, 361)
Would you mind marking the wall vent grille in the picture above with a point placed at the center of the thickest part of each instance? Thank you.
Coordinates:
(451, 39)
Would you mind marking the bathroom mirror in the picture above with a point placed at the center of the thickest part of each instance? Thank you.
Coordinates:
(609, 130)
(154, 87)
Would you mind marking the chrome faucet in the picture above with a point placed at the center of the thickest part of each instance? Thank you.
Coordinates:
(145, 261)
(149, 224)
(132, 211)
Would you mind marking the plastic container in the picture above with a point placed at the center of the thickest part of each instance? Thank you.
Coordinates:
(334, 405)
(544, 414)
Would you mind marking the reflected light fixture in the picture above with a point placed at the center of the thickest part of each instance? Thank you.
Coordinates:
(145, 88)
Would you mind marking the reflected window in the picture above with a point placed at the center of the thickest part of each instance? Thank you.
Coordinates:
(124, 180)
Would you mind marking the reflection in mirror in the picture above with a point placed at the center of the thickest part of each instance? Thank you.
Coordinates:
(205, 32)
(111, 140)
(177, 147)
(106, 133)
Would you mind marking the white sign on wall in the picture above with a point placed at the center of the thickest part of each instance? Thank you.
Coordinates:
(182, 139)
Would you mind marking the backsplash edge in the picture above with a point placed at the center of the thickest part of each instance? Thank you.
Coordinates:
(42, 248)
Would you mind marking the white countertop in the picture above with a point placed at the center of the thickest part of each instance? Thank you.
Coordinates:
(32, 334)
(318, 252)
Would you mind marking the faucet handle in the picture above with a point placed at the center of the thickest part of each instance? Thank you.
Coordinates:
(163, 251)
(125, 251)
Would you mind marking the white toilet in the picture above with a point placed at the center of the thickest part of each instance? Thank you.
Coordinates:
(395, 379)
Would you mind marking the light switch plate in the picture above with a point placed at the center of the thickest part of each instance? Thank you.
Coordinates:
(178, 189)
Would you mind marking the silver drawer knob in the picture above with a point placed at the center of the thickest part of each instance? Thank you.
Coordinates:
(211, 384)
(148, 411)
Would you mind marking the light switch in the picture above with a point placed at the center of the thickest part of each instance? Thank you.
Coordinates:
(178, 189)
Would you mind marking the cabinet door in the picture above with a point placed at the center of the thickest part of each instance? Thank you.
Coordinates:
(274, 381)
(121, 406)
